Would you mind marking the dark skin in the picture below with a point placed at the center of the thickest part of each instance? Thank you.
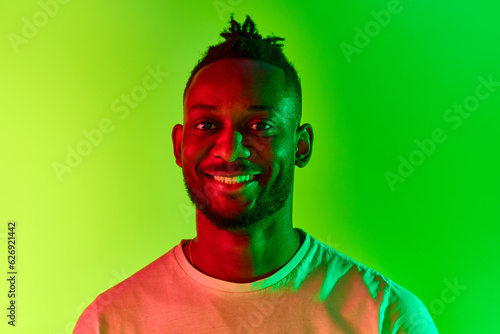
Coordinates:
(253, 118)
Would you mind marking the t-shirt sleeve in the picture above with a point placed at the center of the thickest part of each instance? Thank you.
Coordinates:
(88, 322)
(405, 313)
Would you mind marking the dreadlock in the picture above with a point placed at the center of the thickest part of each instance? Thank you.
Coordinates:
(245, 41)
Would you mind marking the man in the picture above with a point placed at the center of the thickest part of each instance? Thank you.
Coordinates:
(248, 270)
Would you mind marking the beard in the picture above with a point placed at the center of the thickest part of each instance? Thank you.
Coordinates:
(269, 201)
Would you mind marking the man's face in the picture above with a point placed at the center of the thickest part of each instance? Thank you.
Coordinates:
(238, 142)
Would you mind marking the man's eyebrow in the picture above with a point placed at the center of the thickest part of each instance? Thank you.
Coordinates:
(263, 108)
(211, 108)
(202, 107)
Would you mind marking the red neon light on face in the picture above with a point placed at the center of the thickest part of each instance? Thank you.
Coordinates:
(238, 122)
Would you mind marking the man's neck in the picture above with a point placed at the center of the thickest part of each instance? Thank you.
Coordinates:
(242, 257)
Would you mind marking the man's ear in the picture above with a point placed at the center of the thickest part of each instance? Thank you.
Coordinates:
(303, 146)
(177, 141)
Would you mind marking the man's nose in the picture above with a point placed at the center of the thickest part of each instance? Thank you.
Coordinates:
(230, 146)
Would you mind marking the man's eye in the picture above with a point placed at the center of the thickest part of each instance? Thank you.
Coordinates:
(204, 126)
(260, 126)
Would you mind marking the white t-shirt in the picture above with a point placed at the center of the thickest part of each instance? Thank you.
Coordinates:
(318, 291)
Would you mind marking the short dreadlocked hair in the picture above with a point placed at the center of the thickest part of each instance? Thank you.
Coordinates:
(245, 42)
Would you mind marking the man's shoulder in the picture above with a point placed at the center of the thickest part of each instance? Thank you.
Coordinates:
(113, 306)
(341, 263)
(339, 271)
(403, 311)
(406, 312)
(141, 282)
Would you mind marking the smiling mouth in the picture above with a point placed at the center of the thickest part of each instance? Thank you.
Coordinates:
(236, 179)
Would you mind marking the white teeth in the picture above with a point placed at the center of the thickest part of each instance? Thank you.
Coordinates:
(234, 179)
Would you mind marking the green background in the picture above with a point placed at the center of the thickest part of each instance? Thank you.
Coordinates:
(124, 204)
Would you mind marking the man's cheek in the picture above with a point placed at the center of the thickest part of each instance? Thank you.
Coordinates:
(281, 148)
(260, 146)
(193, 150)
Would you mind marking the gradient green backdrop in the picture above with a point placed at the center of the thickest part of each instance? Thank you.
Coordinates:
(124, 204)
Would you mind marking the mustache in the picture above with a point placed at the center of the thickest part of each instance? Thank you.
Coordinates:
(241, 167)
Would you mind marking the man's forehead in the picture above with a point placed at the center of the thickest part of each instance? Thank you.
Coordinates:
(214, 108)
(241, 82)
